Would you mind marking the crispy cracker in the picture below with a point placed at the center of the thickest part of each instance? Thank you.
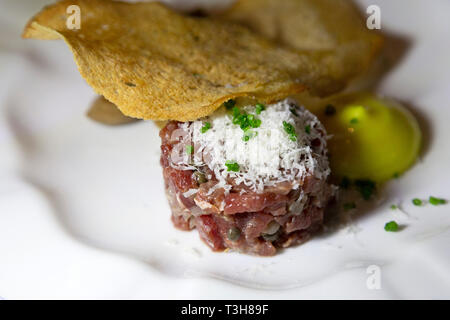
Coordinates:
(154, 63)
(333, 29)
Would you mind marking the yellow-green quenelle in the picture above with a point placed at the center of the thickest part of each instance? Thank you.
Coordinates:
(373, 138)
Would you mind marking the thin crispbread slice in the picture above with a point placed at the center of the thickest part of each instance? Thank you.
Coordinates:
(332, 29)
(154, 63)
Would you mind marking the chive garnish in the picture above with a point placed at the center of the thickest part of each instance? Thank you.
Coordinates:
(354, 121)
(391, 226)
(245, 121)
(394, 207)
(417, 202)
(259, 108)
(232, 166)
(436, 201)
(189, 149)
(253, 121)
(290, 130)
(308, 129)
(236, 113)
(205, 127)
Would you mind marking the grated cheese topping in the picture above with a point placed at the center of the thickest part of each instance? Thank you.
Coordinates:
(269, 157)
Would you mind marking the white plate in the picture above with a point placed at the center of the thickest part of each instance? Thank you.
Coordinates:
(83, 212)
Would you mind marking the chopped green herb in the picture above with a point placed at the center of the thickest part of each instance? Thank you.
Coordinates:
(417, 202)
(244, 120)
(391, 226)
(354, 121)
(394, 207)
(345, 183)
(253, 121)
(189, 149)
(230, 104)
(232, 166)
(205, 127)
(349, 206)
(330, 110)
(259, 108)
(308, 129)
(256, 123)
(236, 113)
(290, 130)
(396, 175)
(366, 188)
(436, 201)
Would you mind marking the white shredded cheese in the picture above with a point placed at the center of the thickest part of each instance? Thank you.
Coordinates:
(268, 157)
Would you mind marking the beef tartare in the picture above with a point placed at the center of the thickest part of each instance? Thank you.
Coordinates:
(252, 178)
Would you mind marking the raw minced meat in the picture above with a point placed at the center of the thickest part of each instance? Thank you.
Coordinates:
(254, 215)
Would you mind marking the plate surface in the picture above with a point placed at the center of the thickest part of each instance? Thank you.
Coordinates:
(83, 212)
